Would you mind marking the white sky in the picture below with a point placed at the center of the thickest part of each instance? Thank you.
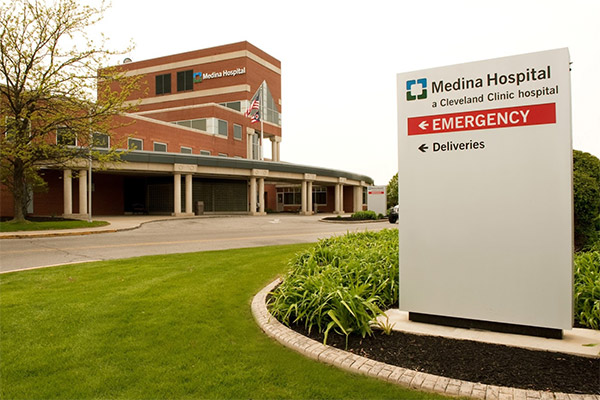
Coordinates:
(340, 59)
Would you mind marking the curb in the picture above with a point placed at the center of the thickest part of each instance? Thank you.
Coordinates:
(397, 375)
(358, 221)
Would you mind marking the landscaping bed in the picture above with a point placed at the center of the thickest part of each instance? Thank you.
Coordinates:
(334, 290)
(474, 361)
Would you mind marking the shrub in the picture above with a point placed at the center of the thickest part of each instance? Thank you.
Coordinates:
(342, 283)
(364, 215)
(587, 289)
(586, 199)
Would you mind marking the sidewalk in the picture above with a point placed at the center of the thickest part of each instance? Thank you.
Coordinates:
(115, 223)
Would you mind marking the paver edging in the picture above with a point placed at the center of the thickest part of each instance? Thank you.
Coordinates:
(401, 376)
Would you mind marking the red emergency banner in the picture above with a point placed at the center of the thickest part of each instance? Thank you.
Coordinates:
(538, 114)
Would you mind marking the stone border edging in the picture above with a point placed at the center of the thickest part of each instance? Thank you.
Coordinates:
(401, 376)
(358, 221)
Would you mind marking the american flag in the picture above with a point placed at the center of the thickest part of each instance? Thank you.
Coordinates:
(254, 105)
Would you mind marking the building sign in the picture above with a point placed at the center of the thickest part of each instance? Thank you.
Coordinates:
(199, 76)
(377, 199)
(485, 190)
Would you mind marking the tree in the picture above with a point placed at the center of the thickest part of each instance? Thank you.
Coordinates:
(56, 99)
(586, 198)
(392, 191)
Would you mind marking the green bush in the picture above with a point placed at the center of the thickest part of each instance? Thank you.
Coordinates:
(586, 199)
(364, 215)
(342, 283)
(587, 289)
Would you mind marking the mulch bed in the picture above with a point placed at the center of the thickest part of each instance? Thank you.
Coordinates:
(474, 361)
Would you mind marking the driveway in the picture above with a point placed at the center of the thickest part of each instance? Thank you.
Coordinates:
(173, 236)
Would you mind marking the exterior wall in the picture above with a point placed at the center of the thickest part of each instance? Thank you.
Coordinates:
(6, 202)
(51, 201)
(271, 195)
(107, 195)
(174, 137)
(202, 101)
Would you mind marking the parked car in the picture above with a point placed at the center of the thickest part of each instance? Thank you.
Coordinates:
(393, 214)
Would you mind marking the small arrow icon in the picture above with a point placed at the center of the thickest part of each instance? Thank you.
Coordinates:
(423, 125)
(423, 147)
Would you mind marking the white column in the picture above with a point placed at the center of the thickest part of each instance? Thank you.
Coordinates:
(357, 191)
(339, 198)
(83, 192)
(252, 196)
(303, 197)
(188, 194)
(67, 192)
(261, 195)
(309, 197)
(177, 194)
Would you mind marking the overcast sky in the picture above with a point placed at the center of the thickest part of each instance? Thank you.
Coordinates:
(340, 59)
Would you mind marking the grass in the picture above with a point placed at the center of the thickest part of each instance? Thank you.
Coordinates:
(176, 326)
(48, 225)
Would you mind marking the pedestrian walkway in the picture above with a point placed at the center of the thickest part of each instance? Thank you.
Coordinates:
(115, 223)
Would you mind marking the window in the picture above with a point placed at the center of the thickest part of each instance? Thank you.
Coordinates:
(160, 147)
(255, 147)
(222, 128)
(204, 153)
(186, 150)
(185, 80)
(237, 131)
(101, 140)
(66, 137)
(291, 195)
(10, 127)
(135, 144)
(199, 124)
(234, 105)
(222, 154)
(163, 84)
(320, 195)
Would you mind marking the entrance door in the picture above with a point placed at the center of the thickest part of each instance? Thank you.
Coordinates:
(279, 202)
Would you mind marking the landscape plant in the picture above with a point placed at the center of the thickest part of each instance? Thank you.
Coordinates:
(586, 199)
(364, 215)
(342, 283)
(587, 289)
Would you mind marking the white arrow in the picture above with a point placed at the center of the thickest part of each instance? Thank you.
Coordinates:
(423, 125)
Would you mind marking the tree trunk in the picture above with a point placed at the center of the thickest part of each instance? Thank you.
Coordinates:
(19, 193)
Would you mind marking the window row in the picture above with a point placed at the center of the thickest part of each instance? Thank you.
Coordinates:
(185, 82)
(292, 196)
(66, 137)
(212, 125)
(138, 144)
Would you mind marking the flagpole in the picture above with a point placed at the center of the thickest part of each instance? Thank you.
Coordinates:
(262, 117)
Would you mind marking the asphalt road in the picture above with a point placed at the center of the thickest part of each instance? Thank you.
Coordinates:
(172, 236)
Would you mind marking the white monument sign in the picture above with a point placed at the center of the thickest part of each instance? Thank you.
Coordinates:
(377, 199)
(485, 190)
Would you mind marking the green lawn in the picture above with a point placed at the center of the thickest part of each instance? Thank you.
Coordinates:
(48, 225)
(176, 326)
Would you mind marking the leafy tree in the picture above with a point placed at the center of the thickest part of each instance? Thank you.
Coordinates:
(56, 100)
(392, 191)
(586, 199)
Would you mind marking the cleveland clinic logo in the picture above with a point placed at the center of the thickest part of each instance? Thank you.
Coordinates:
(416, 89)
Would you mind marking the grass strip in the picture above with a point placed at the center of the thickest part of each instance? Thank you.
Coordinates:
(176, 326)
(48, 225)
